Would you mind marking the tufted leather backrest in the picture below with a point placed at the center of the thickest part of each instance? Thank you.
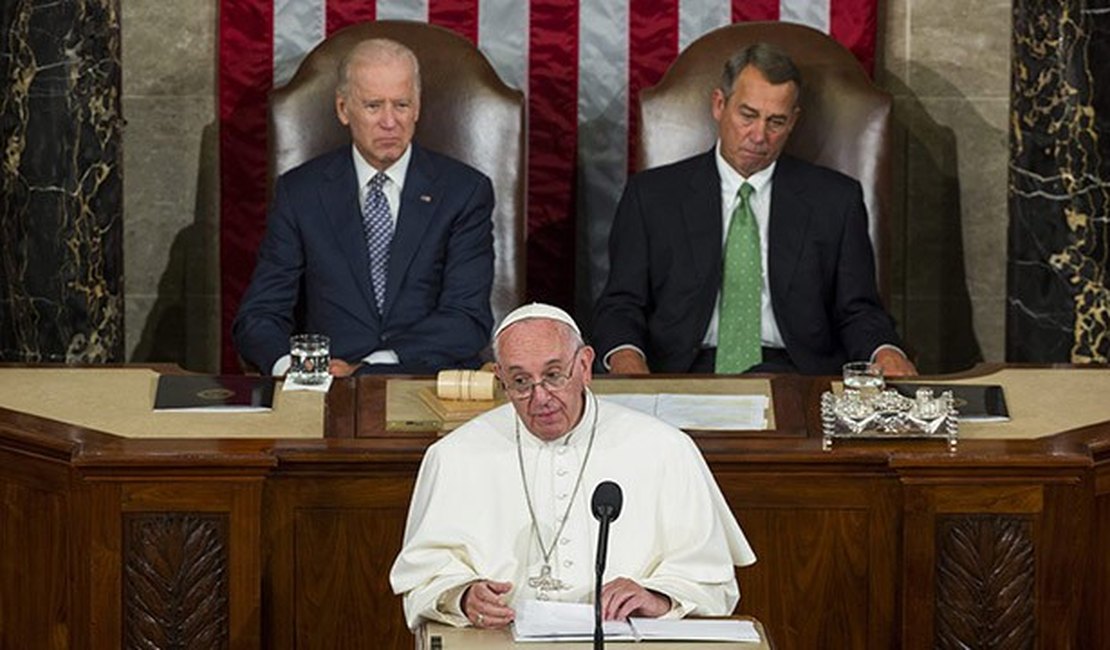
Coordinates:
(844, 123)
(466, 112)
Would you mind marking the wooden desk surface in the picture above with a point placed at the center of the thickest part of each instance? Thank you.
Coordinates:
(455, 638)
(870, 545)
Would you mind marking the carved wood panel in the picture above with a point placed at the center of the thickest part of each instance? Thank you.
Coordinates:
(175, 580)
(985, 582)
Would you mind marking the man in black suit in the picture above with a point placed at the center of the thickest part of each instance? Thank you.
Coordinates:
(389, 245)
(815, 305)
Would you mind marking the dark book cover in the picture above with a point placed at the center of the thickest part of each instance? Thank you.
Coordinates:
(974, 402)
(214, 393)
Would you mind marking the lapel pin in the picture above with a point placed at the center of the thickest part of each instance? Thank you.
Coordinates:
(425, 198)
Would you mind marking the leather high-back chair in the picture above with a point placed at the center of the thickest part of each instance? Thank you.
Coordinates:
(844, 123)
(466, 112)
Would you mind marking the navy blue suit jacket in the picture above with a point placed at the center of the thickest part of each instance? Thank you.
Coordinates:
(666, 265)
(437, 300)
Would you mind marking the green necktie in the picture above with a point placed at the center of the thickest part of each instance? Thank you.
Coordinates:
(739, 343)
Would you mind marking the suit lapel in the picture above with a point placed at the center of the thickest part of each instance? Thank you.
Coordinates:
(701, 215)
(790, 222)
(418, 204)
(339, 196)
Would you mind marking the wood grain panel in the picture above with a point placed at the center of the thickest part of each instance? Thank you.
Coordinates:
(827, 540)
(1097, 597)
(811, 584)
(34, 605)
(985, 583)
(175, 580)
(344, 556)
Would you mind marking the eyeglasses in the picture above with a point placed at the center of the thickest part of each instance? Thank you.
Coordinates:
(522, 387)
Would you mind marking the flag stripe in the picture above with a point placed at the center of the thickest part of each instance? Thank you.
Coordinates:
(854, 23)
(299, 25)
(552, 148)
(503, 38)
(697, 17)
(653, 35)
(602, 128)
(348, 12)
(460, 16)
(749, 10)
(402, 10)
(246, 39)
(814, 13)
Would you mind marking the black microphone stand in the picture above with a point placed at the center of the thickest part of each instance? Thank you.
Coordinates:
(606, 505)
(602, 542)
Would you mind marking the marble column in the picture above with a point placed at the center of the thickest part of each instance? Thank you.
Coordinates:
(61, 229)
(1059, 193)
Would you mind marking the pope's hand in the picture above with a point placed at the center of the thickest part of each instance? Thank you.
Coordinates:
(483, 604)
(622, 598)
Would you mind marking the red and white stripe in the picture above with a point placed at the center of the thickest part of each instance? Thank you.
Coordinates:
(594, 55)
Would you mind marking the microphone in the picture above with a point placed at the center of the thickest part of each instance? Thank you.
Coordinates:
(606, 504)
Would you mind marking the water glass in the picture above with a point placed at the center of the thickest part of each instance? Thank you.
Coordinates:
(864, 376)
(310, 355)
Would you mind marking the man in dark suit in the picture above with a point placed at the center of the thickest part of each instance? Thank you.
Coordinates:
(388, 245)
(810, 282)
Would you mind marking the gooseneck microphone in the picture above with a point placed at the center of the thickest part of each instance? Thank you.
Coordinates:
(606, 505)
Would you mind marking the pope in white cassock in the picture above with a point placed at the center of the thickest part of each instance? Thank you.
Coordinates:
(501, 509)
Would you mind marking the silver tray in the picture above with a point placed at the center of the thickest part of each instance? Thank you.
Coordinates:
(886, 414)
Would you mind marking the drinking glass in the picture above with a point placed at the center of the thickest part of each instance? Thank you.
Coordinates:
(309, 355)
(863, 376)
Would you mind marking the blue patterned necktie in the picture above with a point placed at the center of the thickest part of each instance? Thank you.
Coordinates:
(378, 226)
(739, 342)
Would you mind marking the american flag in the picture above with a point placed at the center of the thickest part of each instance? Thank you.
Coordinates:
(595, 55)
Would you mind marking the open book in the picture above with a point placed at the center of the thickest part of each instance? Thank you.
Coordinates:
(553, 621)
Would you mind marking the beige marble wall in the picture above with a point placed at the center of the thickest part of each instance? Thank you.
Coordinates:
(171, 201)
(947, 62)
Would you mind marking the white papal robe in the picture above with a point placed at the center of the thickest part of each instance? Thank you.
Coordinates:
(469, 519)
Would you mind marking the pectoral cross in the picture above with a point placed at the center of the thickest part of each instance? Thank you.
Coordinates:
(545, 582)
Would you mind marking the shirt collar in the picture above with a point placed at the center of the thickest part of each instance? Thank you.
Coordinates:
(731, 180)
(396, 172)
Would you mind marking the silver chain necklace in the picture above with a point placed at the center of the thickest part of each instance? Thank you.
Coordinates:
(545, 582)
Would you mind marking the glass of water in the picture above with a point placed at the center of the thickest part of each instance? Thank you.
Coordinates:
(309, 355)
(863, 376)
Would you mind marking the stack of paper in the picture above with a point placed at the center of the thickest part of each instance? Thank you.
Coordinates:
(538, 621)
(702, 412)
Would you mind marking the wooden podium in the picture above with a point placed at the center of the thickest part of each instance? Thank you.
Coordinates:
(436, 636)
(120, 529)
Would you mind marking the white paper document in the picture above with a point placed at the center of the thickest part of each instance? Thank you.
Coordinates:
(554, 621)
(694, 629)
(539, 621)
(705, 412)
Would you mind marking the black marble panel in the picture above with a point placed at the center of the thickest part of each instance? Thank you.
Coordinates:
(61, 202)
(1058, 303)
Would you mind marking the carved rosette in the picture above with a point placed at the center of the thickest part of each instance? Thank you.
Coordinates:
(175, 580)
(985, 582)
